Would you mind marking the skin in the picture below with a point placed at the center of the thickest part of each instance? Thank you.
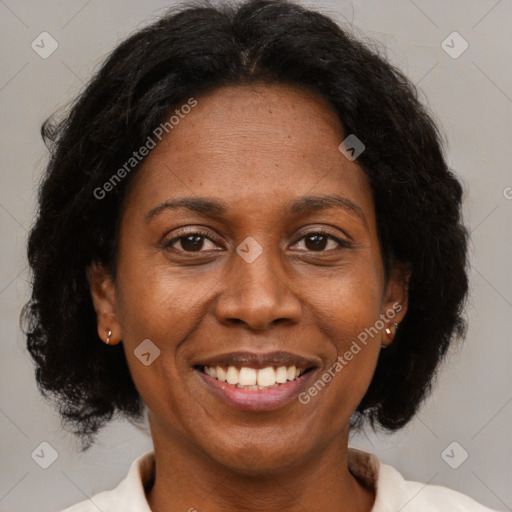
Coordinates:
(256, 148)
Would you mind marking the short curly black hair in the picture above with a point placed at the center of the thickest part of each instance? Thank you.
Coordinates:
(187, 52)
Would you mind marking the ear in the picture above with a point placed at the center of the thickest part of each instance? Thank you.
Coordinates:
(395, 301)
(103, 294)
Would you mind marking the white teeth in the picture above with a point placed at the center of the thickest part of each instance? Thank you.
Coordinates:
(232, 375)
(251, 378)
(221, 374)
(281, 375)
(266, 376)
(291, 373)
(247, 377)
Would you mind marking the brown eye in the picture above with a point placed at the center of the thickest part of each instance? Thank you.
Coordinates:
(316, 242)
(190, 242)
(319, 242)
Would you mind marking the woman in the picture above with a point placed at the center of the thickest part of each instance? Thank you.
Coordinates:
(258, 241)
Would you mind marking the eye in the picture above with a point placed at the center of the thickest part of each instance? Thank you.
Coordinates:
(318, 240)
(192, 241)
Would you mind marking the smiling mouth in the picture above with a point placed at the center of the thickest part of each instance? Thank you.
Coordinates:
(245, 377)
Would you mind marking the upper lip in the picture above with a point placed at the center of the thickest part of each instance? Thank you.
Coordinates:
(262, 360)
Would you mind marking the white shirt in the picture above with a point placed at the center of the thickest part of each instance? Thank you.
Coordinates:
(393, 493)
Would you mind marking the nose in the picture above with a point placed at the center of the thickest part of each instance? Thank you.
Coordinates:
(258, 294)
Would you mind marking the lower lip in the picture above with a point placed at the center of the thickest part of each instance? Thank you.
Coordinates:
(257, 399)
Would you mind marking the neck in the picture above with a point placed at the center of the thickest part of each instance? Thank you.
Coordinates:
(192, 481)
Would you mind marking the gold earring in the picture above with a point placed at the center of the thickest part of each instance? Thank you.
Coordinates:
(388, 330)
(108, 336)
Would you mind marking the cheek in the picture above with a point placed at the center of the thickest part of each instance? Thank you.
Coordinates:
(159, 304)
(351, 300)
(153, 305)
(351, 308)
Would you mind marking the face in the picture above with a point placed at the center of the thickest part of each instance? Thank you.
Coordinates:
(278, 264)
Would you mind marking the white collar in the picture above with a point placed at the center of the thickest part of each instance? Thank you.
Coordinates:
(392, 492)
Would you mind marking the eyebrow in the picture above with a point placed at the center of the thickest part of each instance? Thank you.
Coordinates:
(215, 208)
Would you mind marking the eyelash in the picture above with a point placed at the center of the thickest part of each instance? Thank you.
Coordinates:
(198, 232)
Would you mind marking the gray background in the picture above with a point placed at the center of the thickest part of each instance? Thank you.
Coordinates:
(472, 98)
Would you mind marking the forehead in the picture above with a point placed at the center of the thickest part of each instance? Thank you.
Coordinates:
(255, 147)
